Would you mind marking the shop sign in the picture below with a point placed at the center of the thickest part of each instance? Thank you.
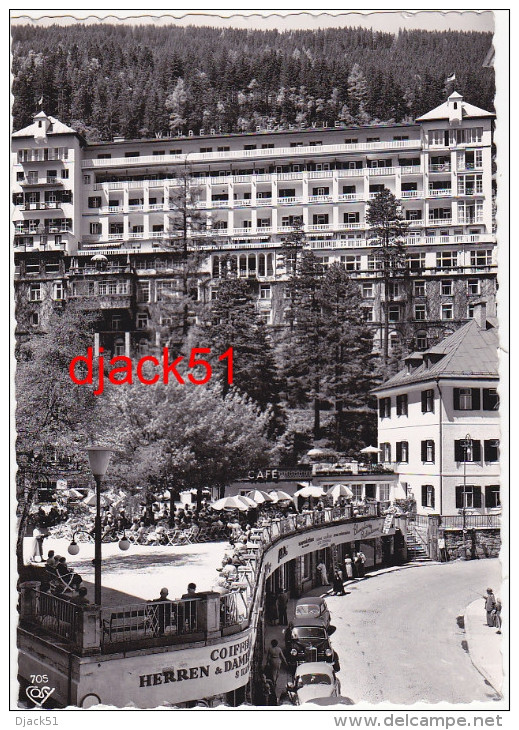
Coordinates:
(263, 475)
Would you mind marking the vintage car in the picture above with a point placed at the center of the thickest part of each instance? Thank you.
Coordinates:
(312, 607)
(313, 680)
(309, 642)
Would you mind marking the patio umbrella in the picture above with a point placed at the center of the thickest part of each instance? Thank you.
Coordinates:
(370, 450)
(229, 503)
(397, 492)
(71, 493)
(309, 491)
(340, 490)
(248, 501)
(280, 496)
(90, 501)
(317, 453)
(259, 497)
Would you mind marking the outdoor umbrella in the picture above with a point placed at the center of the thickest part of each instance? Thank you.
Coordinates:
(309, 491)
(397, 492)
(90, 501)
(99, 257)
(340, 490)
(229, 503)
(71, 493)
(280, 496)
(370, 450)
(259, 497)
(248, 501)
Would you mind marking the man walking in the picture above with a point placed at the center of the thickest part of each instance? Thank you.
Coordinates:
(282, 601)
(490, 604)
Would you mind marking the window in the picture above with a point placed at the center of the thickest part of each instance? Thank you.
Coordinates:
(421, 341)
(384, 408)
(206, 149)
(34, 319)
(320, 219)
(419, 288)
(401, 404)
(351, 140)
(473, 286)
(447, 311)
(320, 191)
(351, 263)
(416, 261)
(19, 176)
(367, 291)
(52, 267)
(223, 149)
(142, 321)
(427, 495)
(466, 399)
(385, 452)
(57, 291)
(427, 451)
(420, 313)
(400, 137)
(439, 138)
(268, 146)
(35, 293)
(471, 135)
(467, 450)
(394, 313)
(265, 291)
(132, 154)
(368, 314)
(94, 202)
(266, 316)
(428, 401)
(119, 348)
(446, 287)
(491, 450)
(402, 452)
(95, 229)
(117, 321)
(470, 184)
(468, 496)
(481, 258)
(373, 139)
(249, 146)
(492, 496)
(175, 152)
(446, 259)
(490, 399)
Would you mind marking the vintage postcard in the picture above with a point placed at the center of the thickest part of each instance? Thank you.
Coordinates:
(260, 353)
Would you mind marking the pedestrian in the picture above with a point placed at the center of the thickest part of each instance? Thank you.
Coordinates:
(348, 567)
(275, 658)
(271, 608)
(162, 613)
(497, 616)
(39, 534)
(490, 604)
(288, 637)
(323, 574)
(338, 587)
(268, 690)
(82, 598)
(360, 559)
(282, 603)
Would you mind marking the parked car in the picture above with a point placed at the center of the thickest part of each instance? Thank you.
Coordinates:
(313, 607)
(310, 643)
(313, 680)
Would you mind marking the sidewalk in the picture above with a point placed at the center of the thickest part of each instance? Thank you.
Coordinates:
(484, 645)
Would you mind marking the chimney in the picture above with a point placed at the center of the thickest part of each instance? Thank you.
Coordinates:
(480, 313)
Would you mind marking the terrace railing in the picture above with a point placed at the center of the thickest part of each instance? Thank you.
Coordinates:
(455, 522)
(57, 616)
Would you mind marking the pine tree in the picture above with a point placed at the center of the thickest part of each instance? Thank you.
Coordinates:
(387, 232)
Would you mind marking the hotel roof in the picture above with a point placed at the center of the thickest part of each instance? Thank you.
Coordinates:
(56, 127)
(470, 352)
(443, 111)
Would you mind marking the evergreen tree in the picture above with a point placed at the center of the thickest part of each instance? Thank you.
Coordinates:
(388, 228)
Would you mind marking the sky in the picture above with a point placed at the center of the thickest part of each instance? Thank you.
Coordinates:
(388, 21)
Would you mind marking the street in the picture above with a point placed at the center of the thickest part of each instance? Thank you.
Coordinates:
(398, 638)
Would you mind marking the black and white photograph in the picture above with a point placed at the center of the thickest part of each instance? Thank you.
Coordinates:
(259, 334)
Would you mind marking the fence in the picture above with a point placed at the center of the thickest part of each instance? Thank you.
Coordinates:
(456, 522)
(58, 616)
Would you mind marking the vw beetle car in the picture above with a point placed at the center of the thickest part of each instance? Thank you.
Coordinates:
(313, 680)
(313, 607)
(309, 642)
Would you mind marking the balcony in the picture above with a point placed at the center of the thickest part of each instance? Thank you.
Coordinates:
(351, 197)
(136, 208)
(444, 167)
(320, 198)
(51, 205)
(34, 180)
(319, 227)
(259, 154)
(439, 192)
(242, 203)
(290, 200)
(381, 171)
(406, 194)
(439, 222)
(411, 170)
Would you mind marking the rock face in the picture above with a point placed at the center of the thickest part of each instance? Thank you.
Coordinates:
(482, 543)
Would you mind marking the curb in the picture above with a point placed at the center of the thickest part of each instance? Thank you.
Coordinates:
(471, 641)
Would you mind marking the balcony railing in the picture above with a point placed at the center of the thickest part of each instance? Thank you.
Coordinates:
(320, 198)
(443, 167)
(412, 193)
(290, 200)
(381, 170)
(439, 192)
(50, 205)
(193, 157)
(57, 616)
(456, 522)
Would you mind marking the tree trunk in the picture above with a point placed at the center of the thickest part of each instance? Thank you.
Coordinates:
(386, 320)
(317, 419)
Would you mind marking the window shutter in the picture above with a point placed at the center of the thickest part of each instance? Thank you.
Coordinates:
(477, 496)
(433, 451)
(388, 452)
(424, 401)
(458, 451)
(424, 495)
(399, 451)
(459, 497)
(432, 498)
(456, 399)
(381, 408)
(424, 450)
(476, 450)
(488, 497)
(476, 399)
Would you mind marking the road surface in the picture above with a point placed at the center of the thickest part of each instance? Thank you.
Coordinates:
(398, 638)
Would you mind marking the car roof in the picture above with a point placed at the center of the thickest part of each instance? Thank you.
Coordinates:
(314, 668)
(311, 601)
(303, 621)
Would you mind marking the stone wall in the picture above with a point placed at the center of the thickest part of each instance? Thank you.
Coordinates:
(479, 543)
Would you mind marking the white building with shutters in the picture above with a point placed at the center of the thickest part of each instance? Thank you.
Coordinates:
(439, 421)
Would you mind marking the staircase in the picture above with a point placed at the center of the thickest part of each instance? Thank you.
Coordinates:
(416, 550)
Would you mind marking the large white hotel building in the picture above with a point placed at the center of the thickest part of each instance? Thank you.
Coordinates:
(74, 200)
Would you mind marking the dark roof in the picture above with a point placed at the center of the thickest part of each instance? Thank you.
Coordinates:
(469, 352)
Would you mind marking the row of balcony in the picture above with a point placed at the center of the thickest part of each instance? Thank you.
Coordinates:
(35, 180)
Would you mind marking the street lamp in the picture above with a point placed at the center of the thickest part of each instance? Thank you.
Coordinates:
(99, 457)
(467, 444)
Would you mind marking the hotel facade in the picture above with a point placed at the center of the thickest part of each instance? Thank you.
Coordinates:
(95, 221)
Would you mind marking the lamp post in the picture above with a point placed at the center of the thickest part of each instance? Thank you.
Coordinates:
(99, 457)
(467, 443)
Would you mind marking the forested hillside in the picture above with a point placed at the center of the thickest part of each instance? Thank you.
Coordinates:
(144, 81)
